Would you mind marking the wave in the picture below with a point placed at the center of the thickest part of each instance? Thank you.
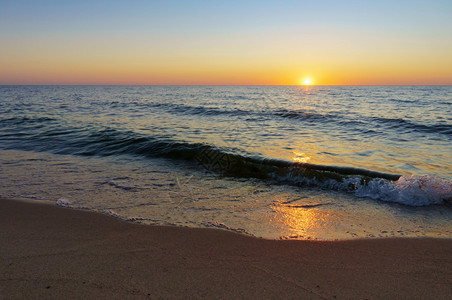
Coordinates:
(413, 191)
(302, 115)
(397, 123)
(340, 120)
(183, 109)
(27, 120)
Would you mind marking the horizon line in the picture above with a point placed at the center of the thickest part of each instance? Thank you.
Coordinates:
(297, 85)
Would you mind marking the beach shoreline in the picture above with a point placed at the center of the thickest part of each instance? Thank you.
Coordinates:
(50, 252)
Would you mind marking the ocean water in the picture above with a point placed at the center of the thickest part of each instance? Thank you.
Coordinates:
(285, 162)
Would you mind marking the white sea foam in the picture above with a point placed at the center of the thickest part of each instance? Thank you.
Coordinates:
(63, 202)
(224, 226)
(411, 190)
(116, 215)
(112, 213)
(414, 190)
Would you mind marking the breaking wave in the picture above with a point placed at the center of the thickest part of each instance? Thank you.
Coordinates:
(408, 190)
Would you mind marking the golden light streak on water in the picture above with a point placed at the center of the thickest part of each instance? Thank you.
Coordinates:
(304, 221)
(301, 157)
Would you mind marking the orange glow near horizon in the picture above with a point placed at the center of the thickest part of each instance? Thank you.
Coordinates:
(122, 75)
(165, 43)
(115, 66)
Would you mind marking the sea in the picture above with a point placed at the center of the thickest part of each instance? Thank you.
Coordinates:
(274, 162)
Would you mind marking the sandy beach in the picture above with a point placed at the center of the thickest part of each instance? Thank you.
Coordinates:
(52, 252)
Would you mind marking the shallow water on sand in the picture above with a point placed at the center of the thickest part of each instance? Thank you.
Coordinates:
(161, 192)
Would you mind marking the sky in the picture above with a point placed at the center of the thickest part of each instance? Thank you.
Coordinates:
(226, 42)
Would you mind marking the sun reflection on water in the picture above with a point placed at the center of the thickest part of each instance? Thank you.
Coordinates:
(301, 157)
(303, 221)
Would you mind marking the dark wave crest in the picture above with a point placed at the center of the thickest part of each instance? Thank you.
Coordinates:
(393, 123)
(401, 123)
(26, 120)
(89, 141)
(183, 109)
(109, 141)
(303, 115)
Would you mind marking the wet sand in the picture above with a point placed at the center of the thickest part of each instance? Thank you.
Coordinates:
(52, 252)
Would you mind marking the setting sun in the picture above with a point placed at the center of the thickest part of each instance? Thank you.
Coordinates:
(307, 81)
